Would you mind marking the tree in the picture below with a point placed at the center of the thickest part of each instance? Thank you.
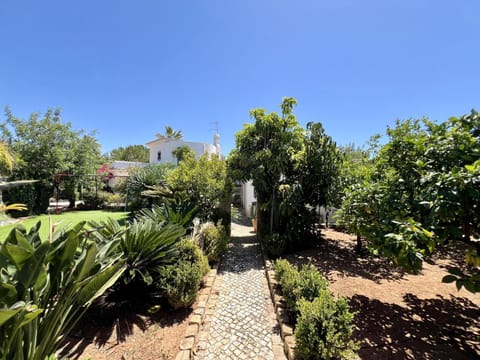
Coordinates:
(292, 169)
(86, 161)
(422, 191)
(6, 159)
(137, 153)
(142, 179)
(182, 153)
(203, 182)
(263, 153)
(44, 147)
(170, 133)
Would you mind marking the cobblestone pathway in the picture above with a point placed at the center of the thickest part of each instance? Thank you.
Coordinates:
(242, 325)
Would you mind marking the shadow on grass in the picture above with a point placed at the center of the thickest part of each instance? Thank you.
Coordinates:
(436, 328)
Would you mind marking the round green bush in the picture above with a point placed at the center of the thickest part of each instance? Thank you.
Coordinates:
(324, 329)
(181, 281)
(215, 241)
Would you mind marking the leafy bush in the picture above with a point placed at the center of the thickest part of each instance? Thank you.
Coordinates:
(181, 281)
(289, 279)
(305, 284)
(115, 198)
(224, 217)
(214, 240)
(145, 245)
(141, 179)
(95, 200)
(324, 329)
(324, 326)
(46, 286)
(181, 214)
(274, 245)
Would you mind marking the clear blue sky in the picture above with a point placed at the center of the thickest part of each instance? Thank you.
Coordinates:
(128, 68)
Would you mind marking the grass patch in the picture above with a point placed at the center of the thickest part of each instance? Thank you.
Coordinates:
(64, 220)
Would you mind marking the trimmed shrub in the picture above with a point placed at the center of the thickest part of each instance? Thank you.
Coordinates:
(181, 281)
(324, 329)
(214, 239)
(324, 325)
(305, 284)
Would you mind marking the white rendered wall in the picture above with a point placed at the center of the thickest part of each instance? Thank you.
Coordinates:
(248, 197)
(166, 148)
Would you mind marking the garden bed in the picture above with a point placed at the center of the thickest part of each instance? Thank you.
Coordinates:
(132, 336)
(400, 316)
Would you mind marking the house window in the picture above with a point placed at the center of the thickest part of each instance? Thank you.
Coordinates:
(159, 155)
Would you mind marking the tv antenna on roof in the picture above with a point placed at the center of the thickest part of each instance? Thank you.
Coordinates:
(216, 125)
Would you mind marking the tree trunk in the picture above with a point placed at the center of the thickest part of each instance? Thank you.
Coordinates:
(272, 207)
(358, 247)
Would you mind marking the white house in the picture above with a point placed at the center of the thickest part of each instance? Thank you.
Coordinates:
(247, 198)
(161, 149)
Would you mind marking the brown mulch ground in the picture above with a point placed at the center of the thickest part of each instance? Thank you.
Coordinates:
(400, 316)
(133, 335)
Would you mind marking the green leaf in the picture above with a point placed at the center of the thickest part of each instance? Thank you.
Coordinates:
(456, 271)
(88, 262)
(17, 254)
(7, 314)
(459, 284)
(470, 286)
(93, 287)
(449, 279)
(30, 272)
(32, 312)
(8, 294)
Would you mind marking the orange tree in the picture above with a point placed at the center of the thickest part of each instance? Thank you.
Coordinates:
(423, 191)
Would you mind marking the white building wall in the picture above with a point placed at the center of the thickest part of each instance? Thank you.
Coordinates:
(166, 147)
(247, 194)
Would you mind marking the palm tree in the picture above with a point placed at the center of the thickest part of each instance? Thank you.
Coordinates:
(170, 133)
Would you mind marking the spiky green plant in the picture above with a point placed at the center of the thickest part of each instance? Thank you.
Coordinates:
(46, 285)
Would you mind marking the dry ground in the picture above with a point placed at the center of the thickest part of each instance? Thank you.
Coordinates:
(400, 316)
(135, 335)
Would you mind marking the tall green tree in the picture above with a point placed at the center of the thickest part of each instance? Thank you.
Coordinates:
(45, 146)
(137, 153)
(6, 159)
(264, 152)
(170, 133)
(203, 182)
(293, 170)
(423, 191)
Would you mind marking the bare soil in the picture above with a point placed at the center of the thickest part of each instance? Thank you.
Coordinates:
(399, 315)
(132, 335)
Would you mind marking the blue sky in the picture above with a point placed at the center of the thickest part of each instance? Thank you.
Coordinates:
(128, 68)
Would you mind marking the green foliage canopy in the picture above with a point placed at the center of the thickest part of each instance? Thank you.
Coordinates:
(136, 153)
(293, 170)
(44, 146)
(420, 190)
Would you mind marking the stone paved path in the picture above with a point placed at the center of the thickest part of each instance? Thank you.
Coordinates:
(243, 324)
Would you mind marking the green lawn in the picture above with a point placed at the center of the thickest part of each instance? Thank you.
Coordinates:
(64, 219)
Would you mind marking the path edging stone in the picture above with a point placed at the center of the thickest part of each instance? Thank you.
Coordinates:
(193, 333)
(286, 330)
